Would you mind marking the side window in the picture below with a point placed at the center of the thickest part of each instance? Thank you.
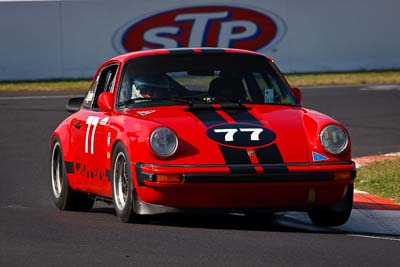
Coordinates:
(271, 90)
(104, 82)
(268, 87)
(88, 101)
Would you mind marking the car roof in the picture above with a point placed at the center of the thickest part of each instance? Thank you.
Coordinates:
(121, 59)
(200, 50)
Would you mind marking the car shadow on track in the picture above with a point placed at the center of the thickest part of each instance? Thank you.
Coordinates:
(254, 222)
(295, 222)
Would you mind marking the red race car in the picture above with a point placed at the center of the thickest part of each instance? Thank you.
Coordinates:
(199, 129)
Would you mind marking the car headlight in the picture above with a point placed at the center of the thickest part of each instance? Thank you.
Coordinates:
(334, 139)
(164, 142)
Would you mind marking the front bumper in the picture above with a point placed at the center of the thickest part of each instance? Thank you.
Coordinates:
(242, 187)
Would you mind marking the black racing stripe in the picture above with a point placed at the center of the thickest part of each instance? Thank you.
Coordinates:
(266, 155)
(208, 117)
(231, 155)
(269, 155)
(212, 50)
(180, 51)
(236, 156)
(243, 116)
(69, 167)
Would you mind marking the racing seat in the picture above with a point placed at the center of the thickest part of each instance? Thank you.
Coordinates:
(227, 88)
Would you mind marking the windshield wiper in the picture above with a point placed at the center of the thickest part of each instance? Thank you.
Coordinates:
(223, 105)
(205, 99)
(229, 101)
(151, 99)
(197, 102)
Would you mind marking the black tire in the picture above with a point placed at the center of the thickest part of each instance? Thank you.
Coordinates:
(122, 186)
(64, 197)
(335, 215)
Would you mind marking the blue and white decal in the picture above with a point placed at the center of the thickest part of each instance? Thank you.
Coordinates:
(318, 157)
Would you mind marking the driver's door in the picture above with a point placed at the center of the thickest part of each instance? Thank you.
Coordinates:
(89, 136)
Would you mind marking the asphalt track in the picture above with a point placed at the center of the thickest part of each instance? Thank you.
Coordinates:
(34, 233)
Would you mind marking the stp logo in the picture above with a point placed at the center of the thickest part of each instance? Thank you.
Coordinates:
(204, 26)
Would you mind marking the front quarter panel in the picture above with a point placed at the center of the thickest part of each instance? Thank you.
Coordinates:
(314, 122)
(134, 133)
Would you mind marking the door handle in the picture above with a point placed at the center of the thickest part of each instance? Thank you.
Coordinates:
(77, 125)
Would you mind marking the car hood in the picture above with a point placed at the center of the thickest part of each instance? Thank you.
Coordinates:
(257, 134)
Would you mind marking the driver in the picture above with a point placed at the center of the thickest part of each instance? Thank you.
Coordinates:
(150, 86)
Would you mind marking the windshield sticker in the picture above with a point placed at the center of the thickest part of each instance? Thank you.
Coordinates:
(90, 96)
(104, 121)
(145, 112)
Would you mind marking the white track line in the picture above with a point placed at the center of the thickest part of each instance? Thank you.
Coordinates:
(377, 237)
(37, 97)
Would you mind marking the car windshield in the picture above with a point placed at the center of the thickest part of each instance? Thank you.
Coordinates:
(202, 78)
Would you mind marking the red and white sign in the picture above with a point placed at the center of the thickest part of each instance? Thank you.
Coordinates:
(301, 36)
(202, 26)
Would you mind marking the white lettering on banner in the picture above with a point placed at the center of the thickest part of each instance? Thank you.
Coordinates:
(229, 133)
(227, 33)
(198, 33)
(201, 26)
(91, 121)
(200, 23)
(154, 36)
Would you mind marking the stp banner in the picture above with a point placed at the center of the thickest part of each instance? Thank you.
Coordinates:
(69, 39)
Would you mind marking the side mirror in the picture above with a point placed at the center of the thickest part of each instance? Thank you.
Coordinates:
(105, 101)
(297, 94)
(74, 104)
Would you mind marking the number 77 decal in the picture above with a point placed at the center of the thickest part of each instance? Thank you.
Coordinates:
(91, 121)
(229, 133)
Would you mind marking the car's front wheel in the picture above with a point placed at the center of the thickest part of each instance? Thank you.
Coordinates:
(64, 197)
(335, 215)
(122, 186)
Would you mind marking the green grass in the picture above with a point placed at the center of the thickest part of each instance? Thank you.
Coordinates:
(380, 178)
(299, 79)
(50, 85)
(344, 78)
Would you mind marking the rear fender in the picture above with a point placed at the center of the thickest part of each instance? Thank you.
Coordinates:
(63, 135)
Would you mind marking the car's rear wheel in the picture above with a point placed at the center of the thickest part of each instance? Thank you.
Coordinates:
(64, 197)
(335, 215)
(122, 186)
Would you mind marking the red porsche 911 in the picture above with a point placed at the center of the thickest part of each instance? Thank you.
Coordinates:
(199, 130)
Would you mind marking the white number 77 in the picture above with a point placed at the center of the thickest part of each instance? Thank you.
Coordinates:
(230, 132)
(91, 120)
